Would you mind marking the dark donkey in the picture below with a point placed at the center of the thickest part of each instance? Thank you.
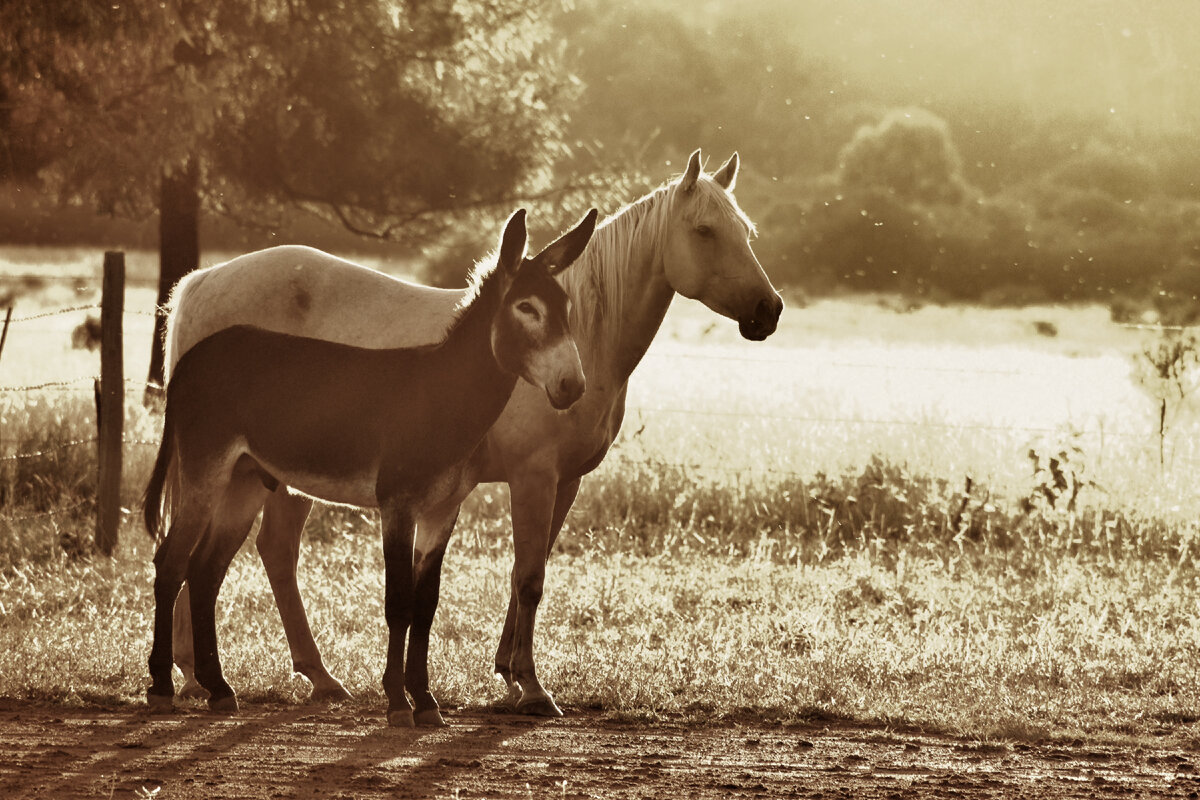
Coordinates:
(249, 409)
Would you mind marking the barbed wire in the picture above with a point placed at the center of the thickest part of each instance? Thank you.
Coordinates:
(35, 277)
(55, 512)
(64, 385)
(48, 385)
(56, 312)
(52, 449)
(74, 309)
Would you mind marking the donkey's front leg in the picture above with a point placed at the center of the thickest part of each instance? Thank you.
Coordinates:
(433, 533)
(398, 526)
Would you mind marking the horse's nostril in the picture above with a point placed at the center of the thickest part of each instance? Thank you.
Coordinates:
(769, 309)
(570, 387)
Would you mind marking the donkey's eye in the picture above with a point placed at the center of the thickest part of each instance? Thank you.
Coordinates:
(704, 230)
(526, 307)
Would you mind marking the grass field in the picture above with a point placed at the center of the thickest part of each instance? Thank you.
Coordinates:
(843, 521)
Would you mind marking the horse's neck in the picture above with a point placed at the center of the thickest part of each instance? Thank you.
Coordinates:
(625, 277)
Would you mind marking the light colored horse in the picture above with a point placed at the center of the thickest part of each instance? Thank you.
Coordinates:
(687, 237)
(249, 409)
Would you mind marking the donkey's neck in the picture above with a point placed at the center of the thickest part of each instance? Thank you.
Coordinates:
(619, 291)
(473, 370)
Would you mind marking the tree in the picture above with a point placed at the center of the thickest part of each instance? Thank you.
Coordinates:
(392, 117)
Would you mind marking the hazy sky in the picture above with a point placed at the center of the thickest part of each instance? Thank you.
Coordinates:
(1135, 61)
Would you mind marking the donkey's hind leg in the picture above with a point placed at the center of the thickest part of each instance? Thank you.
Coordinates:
(278, 546)
(170, 566)
(239, 505)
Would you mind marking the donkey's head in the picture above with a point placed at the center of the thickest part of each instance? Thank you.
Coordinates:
(530, 335)
(707, 255)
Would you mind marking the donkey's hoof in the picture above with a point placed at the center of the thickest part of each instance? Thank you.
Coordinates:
(335, 693)
(224, 705)
(539, 706)
(429, 718)
(193, 690)
(160, 703)
(401, 718)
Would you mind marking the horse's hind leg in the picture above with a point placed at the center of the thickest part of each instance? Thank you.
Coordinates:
(242, 499)
(185, 657)
(279, 548)
(170, 566)
(564, 498)
(433, 534)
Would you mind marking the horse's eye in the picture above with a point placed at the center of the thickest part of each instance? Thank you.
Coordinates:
(704, 230)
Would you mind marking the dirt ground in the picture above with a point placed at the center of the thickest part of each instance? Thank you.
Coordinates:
(342, 752)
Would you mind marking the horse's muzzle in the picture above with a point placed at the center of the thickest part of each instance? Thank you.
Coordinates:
(566, 393)
(763, 321)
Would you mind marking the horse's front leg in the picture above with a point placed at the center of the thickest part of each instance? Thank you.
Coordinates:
(433, 534)
(564, 498)
(533, 504)
(399, 523)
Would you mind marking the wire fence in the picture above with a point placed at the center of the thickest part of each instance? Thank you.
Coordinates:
(88, 384)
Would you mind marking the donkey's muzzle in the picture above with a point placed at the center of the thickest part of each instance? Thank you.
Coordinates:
(566, 393)
(763, 321)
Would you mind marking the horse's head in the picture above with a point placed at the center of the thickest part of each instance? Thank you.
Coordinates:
(707, 255)
(530, 336)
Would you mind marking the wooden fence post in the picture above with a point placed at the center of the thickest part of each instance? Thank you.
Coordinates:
(111, 411)
(4, 335)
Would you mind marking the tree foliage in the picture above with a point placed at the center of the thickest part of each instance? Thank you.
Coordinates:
(387, 116)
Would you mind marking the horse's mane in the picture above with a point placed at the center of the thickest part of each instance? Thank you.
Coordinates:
(597, 283)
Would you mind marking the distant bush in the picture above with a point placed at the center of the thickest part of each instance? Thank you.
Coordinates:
(897, 215)
(908, 154)
(1102, 169)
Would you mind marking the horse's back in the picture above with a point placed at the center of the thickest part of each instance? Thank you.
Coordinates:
(307, 292)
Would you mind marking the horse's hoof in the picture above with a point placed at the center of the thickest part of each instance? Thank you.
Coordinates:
(541, 706)
(335, 693)
(193, 690)
(403, 718)
(512, 698)
(160, 703)
(224, 705)
(429, 718)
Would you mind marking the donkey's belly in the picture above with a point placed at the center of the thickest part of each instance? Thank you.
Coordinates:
(357, 489)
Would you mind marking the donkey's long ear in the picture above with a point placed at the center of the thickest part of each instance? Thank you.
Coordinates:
(726, 176)
(692, 173)
(562, 252)
(512, 243)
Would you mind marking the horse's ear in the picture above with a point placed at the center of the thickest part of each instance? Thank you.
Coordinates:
(562, 252)
(726, 176)
(512, 242)
(692, 173)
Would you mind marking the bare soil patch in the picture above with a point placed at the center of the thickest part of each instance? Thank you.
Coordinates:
(344, 752)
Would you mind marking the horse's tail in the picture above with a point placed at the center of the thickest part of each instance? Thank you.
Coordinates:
(153, 501)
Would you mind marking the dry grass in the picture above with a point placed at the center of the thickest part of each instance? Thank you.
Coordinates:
(795, 537)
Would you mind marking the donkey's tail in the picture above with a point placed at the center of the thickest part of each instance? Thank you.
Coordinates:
(153, 501)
